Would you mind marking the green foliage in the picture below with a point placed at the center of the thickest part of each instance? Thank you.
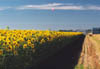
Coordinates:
(7, 27)
(79, 67)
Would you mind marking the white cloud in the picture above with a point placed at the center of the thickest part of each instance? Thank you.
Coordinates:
(56, 6)
(4, 8)
(1, 9)
(93, 8)
(43, 6)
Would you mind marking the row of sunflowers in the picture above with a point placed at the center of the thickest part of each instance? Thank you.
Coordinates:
(13, 41)
(21, 49)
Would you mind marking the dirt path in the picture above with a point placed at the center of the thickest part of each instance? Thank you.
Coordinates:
(67, 58)
(90, 54)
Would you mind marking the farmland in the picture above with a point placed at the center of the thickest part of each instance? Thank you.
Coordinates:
(22, 49)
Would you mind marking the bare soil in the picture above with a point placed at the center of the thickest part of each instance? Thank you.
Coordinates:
(90, 56)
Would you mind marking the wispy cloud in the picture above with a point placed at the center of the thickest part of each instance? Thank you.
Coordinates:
(1, 9)
(56, 6)
(93, 7)
(4, 8)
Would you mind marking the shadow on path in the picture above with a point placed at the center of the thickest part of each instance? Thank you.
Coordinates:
(67, 58)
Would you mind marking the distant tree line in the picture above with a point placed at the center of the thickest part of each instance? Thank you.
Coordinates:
(66, 30)
(7, 27)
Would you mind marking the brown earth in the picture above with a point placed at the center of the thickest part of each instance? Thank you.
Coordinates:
(66, 58)
(90, 56)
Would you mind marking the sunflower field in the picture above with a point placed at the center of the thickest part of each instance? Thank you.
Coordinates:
(21, 49)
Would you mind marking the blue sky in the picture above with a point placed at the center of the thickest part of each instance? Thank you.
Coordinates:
(49, 14)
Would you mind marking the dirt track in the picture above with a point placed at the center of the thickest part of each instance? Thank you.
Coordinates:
(90, 56)
(67, 58)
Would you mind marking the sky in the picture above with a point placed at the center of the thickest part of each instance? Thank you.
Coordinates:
(49, 14)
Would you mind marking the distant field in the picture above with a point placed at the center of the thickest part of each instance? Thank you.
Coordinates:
(21, 49)
(90, 56)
